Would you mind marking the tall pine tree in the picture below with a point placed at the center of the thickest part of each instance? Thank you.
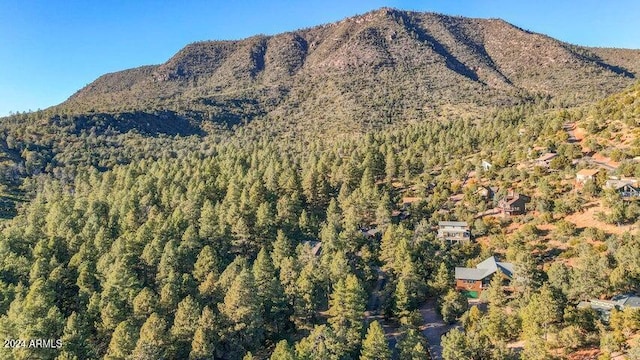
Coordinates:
(346, 312)
(375, 346)
(241, 309)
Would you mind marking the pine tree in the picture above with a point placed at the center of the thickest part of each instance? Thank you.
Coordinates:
(123, 341)
(184, 326)
(402, 299)
(168, 262)
(242, 240)
(201, 347)
(281, 249)
(346, 311)
(270, 292)
(206, 263)
(338, 267)
(205, 338)
(305, 297)
(153, 341)
(454, 346)
(144, 304)
(170, 293)
(412, 345)
(77, 338)
(408, 289)
(442, 280)
(471, 319)
(265, 220)
(320, 344)
(388, 249)
(36, 317)
(289, 275)
(334, 215)
(391, 167)
(496, 324)
(542, 311)
(453, 305)
(495, 293)
(310, 186)
(189, 247)
(304, 224)
(374, 346)
(383, 213)
(209, 289)
(241, 308)
(283, 352)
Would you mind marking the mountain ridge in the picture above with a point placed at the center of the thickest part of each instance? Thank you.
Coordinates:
(333, 72)
(371, 70)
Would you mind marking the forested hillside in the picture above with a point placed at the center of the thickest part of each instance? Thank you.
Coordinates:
(279, 197)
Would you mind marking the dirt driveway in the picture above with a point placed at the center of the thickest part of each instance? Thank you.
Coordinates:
(433, 327)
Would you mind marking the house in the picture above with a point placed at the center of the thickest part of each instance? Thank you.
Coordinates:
(486, 166)
(513, 204)
(454, 232)
(475, 280)
(398, 215)
(545, 159)
(371, 233)
(314, 246)
(627, 188)
(407, 201)
(618, 302)
(585, 175)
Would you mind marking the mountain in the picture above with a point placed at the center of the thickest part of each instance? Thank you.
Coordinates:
(386, 66)
(383, 69)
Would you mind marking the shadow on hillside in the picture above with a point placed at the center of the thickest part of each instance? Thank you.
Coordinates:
(451, 61)
(619, 70)
(150, 124)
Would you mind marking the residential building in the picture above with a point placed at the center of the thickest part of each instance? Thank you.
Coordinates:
(407, 201)
(314, 246)
(513, 204)
(627, 188)
(454, 232)
(618, 302)
(373, 233)
(475, 280)
(398, 215)
(585, 175)
(545, 159)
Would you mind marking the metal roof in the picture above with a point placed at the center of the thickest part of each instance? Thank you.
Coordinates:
(470, 273)
(618, 184)
(453, 223)
(484, 269)
(627, 300)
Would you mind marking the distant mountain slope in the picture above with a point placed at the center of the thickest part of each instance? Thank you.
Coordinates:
(613, 126)
(381, 67)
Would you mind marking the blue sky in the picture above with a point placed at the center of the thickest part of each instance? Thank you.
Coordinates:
(50, 49)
